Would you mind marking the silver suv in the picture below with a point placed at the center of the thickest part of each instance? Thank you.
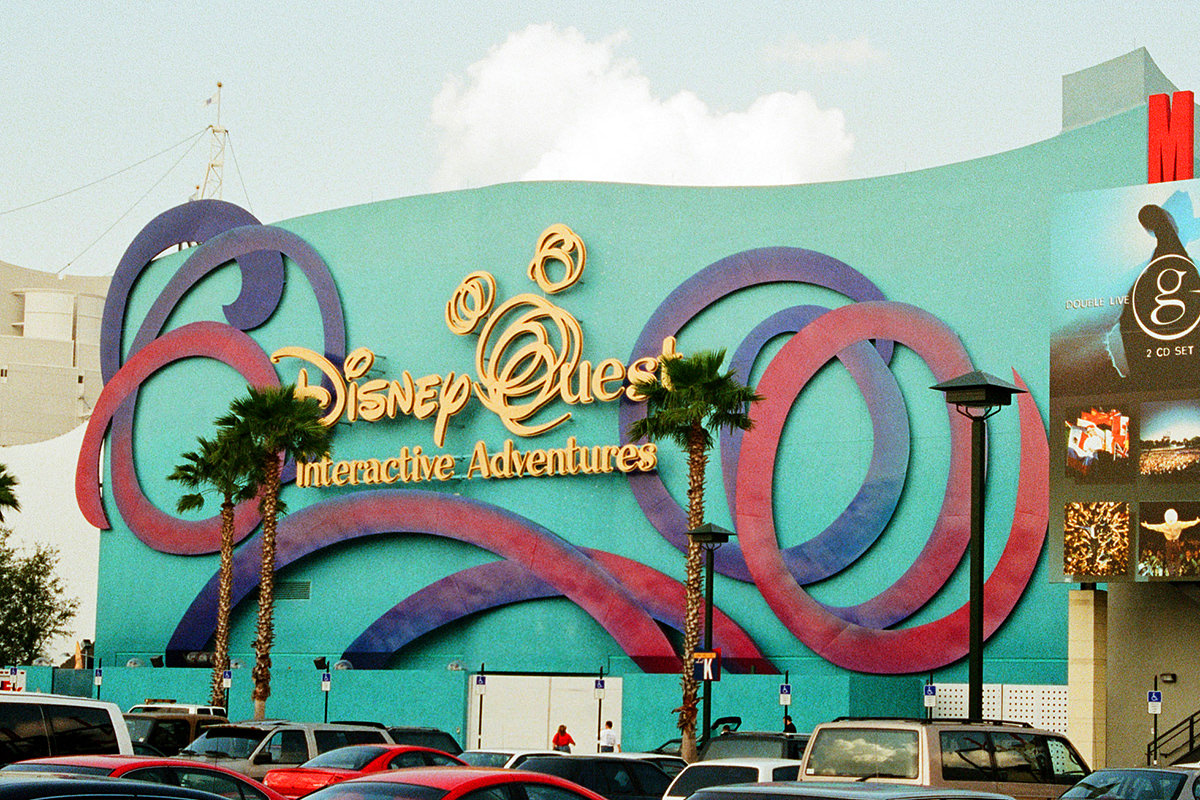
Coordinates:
(254, 748)
(1007, 757)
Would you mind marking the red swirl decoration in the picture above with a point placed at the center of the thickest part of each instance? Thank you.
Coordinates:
(163, 532)
(857, 647)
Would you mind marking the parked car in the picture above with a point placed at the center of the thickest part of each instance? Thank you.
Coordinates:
(755, 744)
(354, 761)
(417, 735)
(454, 783)
(255, 748)
(171, 771)
(48, 786)
(609, 775)
(506, 759)
(171, 707)
(1012, 758)
(1138, 783)
(434, 738)
(839, 791)
(671, 746)
(37, 725)
(168, 732)
(726, 771)
(672, 765)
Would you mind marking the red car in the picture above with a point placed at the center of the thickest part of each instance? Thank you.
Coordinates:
(353, 761)
(171, 771)
(454, 783)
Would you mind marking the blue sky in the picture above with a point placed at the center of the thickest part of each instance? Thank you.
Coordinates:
(330, 105)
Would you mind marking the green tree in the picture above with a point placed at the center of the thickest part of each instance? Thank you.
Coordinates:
(689, 401)
(35, 608)
(275, 425)
(225, 467)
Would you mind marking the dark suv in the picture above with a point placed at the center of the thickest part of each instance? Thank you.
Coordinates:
(755, 744)
(434, 738)
(612, 776)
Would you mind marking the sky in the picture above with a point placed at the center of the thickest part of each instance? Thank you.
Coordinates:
(333, 105)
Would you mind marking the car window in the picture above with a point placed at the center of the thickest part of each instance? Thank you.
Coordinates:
(1068, 765)
(1135, 784)
(287, 747)
(228, 741)
(212, 781)
(965, 756)
(441, 760)
(361, 790)
(332, 739)
(486, 759)
(152, 775)
(81, 729)
(1022, 758)
(542, 791)
(863, 753)
(169, 735)
(405, 760)
(788, 773)
(618, 780)
(489, 793)
(698, 776)
(345, 757)
(649, 779)
(23, 732)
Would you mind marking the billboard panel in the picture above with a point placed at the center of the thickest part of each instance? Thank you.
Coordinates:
(1125, 386)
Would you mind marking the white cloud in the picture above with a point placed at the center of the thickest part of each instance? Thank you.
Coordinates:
(832, 53)
(548, 104)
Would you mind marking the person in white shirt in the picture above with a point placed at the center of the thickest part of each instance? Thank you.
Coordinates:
(608, 739)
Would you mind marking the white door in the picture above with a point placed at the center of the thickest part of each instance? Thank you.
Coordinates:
(524, 711)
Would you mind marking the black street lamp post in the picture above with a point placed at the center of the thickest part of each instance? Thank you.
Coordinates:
(710, 537)
(977, 396)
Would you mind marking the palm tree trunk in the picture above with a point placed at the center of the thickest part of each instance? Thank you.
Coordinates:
(224, 604)
(693, 597)
(265, 638)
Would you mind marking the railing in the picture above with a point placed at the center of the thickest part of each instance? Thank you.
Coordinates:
(1180, 739)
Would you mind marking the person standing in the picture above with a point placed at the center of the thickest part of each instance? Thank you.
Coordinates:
(562, 740)
(788, 726)
(608, 739)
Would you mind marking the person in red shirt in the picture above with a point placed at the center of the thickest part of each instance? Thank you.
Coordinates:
(562, 740)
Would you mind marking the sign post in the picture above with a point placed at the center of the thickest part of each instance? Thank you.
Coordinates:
(481, 690)
(930, 693)
(326, 685)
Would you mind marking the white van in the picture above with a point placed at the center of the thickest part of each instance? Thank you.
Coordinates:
(37, 725)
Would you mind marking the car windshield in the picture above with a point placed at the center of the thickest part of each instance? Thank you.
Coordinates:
(377, 790)
(863, 753)
(345, 757)
(698, 776)
(484, 758)
(65, 769)
(139, 727)
(735, 746)
(1129, 784)
(227, 741)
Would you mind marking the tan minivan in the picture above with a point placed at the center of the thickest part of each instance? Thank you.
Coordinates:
(1007, 757)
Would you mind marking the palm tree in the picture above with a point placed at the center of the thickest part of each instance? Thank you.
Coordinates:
(275, 425)
(8, 497)
(222, 466)
(689, 401)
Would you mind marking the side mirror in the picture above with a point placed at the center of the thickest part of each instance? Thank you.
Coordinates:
(264, 758)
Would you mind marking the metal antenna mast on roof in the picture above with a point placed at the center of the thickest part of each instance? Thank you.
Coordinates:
(214, 175)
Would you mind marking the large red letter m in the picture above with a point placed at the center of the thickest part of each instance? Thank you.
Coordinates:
(1169, 141)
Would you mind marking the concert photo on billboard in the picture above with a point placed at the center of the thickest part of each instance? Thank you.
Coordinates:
(1096, 539)
(1169, 540)
(1097, 441)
